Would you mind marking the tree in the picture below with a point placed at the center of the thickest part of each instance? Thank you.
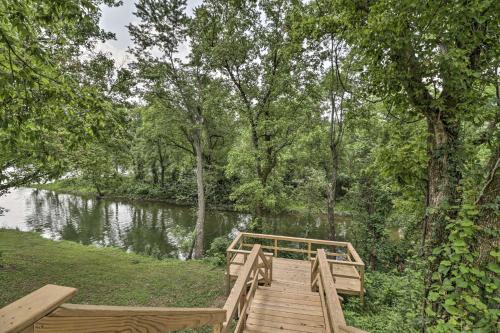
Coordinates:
(431, 60)
(182, 86)
(247, 43)
(327, 50)
(44, 110)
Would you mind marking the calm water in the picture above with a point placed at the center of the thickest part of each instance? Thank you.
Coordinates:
(154, 228)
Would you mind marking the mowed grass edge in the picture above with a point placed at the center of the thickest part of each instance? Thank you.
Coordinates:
(106, 276)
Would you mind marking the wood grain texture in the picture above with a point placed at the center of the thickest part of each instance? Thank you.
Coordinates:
(23, 313)
(138, 323)
(82, 310)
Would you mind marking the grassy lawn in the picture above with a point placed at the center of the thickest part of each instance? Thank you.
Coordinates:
(103, 275)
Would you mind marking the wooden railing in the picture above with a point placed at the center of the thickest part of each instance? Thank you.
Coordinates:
(257, 265)
(323, 281)
(233, 253)
(342, 253)
(43, 311)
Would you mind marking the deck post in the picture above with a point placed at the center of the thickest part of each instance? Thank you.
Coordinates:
(276, 247)
(362, 282)
(228, 273)
(217, 328)
(308, 250)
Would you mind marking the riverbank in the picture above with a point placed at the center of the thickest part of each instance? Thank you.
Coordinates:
(104, 275)
(131, 190)
(128, 191)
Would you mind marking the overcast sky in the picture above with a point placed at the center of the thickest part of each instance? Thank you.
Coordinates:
(115, 20)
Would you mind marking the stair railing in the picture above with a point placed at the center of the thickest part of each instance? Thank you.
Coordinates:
(323, 281)
(257, 266)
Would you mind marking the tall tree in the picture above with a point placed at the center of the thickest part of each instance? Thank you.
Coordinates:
(246, 42)
(432, 60)
(181, 84)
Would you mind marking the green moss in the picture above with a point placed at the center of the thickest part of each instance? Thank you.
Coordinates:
(103, 275)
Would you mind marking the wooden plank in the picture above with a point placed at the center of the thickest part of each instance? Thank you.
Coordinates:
(331, 298)
(295, 239)
(318, 318)
(232, 301)
(280, 308)
(284, 286)
(284, 326)
(300, 306)
(267, 254)
(264, 329)
(26, 311)
(267, 329)
(289, 320)
(92, 318)
(348, 263)
(324, 306)
(150, 324)
(262, 293)
(354, 254)
(348, 286)
(344, 271)
(83, 310)
(235, 241)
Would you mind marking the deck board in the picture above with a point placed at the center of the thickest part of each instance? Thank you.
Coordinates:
(280, 309)
(298, 272)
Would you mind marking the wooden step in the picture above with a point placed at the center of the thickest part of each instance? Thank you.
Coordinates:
(283, 307)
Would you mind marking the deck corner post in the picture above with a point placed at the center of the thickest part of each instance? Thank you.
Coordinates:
(362, 284)
(217, 328)
(228, 273)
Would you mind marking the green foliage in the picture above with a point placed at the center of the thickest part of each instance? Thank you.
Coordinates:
(392, 303)
(217, 252)
(45, 109)
(464, 285)
(394, 104)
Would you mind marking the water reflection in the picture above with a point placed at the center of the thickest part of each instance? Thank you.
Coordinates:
(153, 228)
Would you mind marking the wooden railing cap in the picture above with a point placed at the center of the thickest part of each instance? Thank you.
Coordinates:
(26, 311)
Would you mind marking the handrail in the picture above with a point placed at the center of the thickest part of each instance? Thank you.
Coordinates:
(42, 311)
(23, 313)
(347, 254)
(350, 250)
(295, 239)
(323, 281)
(240, 297)
(231, 254)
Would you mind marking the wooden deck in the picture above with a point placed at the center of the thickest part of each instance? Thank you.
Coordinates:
(302, 294)
(270, 294)
(298, 272)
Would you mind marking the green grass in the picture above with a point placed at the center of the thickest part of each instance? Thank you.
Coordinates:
(104, 275)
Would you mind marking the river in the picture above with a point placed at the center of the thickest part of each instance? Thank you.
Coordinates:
(157, 229)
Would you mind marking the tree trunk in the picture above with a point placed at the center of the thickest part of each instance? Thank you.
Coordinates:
(200, 214)
(154, 172)
(332, 192)
(162, 165)
(443, 174)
